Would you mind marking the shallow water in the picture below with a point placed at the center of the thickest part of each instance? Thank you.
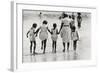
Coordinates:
(83, 47)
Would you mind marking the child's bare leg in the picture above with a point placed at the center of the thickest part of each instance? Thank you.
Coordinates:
(68, 46)
(75, 45)
(55, 46)
(44, 45)
(41, 45)
(43, 48)
(30, 47)
(64, 47)
(52, 46)
(34, 47)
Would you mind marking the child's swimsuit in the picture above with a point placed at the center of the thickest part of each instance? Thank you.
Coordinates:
(32, 35)
(43, 33)
(54, 34)
(74, 35)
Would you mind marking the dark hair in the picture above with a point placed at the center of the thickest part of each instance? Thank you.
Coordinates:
(70, 16)
(64, 15)
(34, 25)
(54, 25)
(45, 22)
(79, 13)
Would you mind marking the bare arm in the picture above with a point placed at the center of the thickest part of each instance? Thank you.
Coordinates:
(49, 30)
(77, 35)
(38, 30)
(61, 27)
(57, 31)
(27, 33)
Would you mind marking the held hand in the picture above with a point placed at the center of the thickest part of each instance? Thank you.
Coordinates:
(27, 36)
(36, 35)
(58, 32)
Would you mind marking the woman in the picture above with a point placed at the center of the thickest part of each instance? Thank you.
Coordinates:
(65, 31)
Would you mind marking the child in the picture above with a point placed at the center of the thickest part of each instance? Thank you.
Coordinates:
(40, 15)
(73, 16)
(79, 20)
(75, 37)
(54, 32)
(43, 35)
(72, 22)
(32, 35)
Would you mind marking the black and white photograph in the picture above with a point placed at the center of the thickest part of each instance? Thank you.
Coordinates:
(55, 36)
(52, 36)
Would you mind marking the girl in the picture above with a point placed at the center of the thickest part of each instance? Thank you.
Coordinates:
(54, 32)
(40, 15)
(73, 16)
(72, 22)
(79, 20)
(75, 37)
(32, 35)
(43, 35)
(65, 31)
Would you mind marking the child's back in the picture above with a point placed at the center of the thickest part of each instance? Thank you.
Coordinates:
(54, 34)
(31, 34)
(43, 32)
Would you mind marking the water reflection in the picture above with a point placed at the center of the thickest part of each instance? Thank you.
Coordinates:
(71, 55)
